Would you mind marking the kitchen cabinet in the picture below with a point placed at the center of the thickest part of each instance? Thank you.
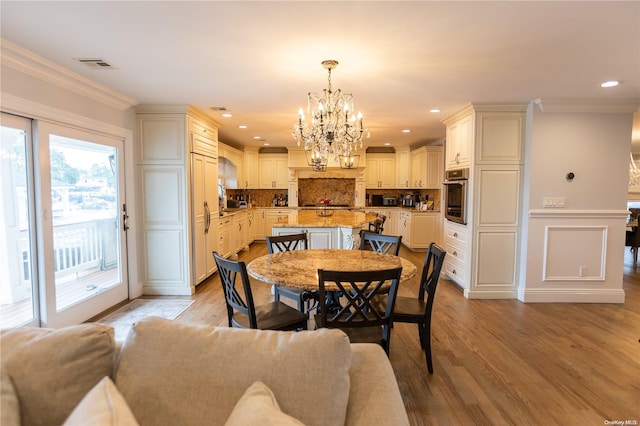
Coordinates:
(226, 237)
(380, 171)
(435, 167)
(418, 229)
(459, 139)
(482, 256)
(272, 216)
(258, 224)
(204, 214)
(317, 238)
(250, 167)
(403, 168)
(419, 168)
(390, 226)
(273, 171)
(178, 170)
(241, 228)
(457, 261)
(293, 193)
(251, 214)
(360, 195)
(426, 167)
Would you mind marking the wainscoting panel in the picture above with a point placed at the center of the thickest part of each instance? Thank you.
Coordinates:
(163, 195)
(575, 253)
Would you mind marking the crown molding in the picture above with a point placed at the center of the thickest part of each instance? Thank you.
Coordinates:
(612, 106)
(25, 61)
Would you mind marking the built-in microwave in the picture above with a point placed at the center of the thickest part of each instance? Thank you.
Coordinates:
(455, 195)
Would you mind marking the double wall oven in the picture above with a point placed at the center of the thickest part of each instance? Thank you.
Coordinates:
(455, 195)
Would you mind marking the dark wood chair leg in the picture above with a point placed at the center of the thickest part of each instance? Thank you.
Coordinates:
(635, 258)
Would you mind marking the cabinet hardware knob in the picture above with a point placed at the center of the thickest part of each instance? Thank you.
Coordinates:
(455, 253)
(453, 272)
(455, 234)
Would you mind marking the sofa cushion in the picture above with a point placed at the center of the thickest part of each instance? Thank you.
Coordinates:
(258, 407)
(9, 406)
(173, 373)
(102, 406)
(52, 370)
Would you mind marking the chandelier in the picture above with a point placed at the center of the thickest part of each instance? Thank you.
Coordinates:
(333, 130)
(634, 172)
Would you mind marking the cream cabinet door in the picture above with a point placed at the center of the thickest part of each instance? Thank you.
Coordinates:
(403, 168)
(251, 177)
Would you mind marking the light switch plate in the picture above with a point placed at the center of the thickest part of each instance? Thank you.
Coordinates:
(553, 202)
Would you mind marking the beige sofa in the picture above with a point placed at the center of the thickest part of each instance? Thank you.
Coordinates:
(170, 373)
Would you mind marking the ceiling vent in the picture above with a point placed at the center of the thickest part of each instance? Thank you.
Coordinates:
(218, 108)
(95, 63)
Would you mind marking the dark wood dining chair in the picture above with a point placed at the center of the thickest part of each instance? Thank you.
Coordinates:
(278, 243)
(377, 225)
(418, 310)
(241, 310)
(381, 243)
(356, 315)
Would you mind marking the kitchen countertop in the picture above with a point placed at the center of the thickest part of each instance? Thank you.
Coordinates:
(338, 219)
(228, 212)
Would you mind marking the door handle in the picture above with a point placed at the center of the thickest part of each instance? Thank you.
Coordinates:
(125, 216)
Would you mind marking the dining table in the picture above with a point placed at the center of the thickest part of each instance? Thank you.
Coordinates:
(299, 268)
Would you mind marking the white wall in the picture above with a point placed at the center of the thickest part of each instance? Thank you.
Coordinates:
(575, 253)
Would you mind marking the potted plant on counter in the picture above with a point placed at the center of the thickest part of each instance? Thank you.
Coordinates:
(323, 211)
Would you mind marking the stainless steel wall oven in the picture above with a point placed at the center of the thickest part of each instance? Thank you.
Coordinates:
(455, 195)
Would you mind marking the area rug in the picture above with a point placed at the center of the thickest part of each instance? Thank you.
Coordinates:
(122, 319)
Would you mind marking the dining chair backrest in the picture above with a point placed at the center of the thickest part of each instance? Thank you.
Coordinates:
(236, 301)
(430, 277)
(278, 243)
(356, 309)
(377, 225)
(389, 244)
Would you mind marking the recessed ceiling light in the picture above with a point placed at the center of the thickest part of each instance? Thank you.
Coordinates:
(406, 131)
(242, 126)
(434, 110)
(266, 144)
(227, 115)
(387, 144)
(257, 137)
(610, 83)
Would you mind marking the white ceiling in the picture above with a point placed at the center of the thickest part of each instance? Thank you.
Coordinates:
(399, 59)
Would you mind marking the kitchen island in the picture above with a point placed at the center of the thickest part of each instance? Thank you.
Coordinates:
(341, 229)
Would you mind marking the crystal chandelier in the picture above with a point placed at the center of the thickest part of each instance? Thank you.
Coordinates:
(333, 130)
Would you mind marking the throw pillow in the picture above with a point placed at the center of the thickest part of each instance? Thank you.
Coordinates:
(258, 407)
(102, 406)
(52, 370)
(9, 407)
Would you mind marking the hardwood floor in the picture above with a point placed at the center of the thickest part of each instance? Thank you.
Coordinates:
(502, 362)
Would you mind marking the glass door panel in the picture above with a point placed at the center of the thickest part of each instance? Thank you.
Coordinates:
(83, 229)
(18, 276)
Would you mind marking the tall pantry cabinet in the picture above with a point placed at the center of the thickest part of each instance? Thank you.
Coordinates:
(483, 255)
(178, 166)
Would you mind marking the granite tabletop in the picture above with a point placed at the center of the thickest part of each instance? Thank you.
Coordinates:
(299, 268)
(337, 219)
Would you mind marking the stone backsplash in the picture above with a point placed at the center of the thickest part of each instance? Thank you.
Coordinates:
(339, 191)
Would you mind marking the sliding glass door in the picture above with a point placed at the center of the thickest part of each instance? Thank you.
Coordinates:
(63, 217)
(18, 272)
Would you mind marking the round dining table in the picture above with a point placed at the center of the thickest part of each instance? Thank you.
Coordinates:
(299, 268)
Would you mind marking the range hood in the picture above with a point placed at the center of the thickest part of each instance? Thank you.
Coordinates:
(331, 173)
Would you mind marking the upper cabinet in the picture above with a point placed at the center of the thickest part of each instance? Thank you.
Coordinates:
(459, 140)
(273, 171)
(251, 176)
(419, 168)
(426, 167)
(380, 171)
(403, 167)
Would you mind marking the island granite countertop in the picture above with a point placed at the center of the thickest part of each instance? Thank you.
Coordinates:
(338, 219)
